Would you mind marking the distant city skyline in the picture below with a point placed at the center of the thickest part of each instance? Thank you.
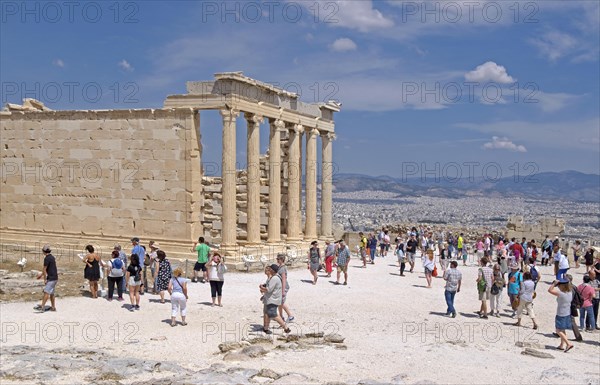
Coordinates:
(439, 84)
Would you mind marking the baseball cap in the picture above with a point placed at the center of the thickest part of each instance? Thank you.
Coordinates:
(135, 239)
(274, 267)
(46, 248)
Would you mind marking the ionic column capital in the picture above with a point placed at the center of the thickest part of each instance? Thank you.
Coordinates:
(253, 118)
(311, 131)
(277, 123)
(328, 135)
(228, 114)
(296, 128)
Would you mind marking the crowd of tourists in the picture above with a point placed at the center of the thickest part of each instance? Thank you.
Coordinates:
(503, 264)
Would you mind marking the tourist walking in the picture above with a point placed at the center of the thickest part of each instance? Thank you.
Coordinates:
(589, 260)
(115, 276)
(496, 290)
(453, 279)
(343, 258)
(401, 257)
(123, 258)
(91, 272)
(163, 274)
(271, 297)
(576, 252)
(562, 320)
(444, 258)
(330, 256)
(283, 275)
(133, 277)
(428, 266)
(314, 260)
(362, 249)
(216, 277)
(561, 263)
(526, 295)
(484, 285)
(50, 275)
(514, 285)
(411, 249)
(203, 251)
(587, 293)
(154, 247)
(372, 246)
(595, 283)
(179, 295)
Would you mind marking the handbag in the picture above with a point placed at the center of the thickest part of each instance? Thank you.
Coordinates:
(434, 273)
(515, 303)
(481, 284)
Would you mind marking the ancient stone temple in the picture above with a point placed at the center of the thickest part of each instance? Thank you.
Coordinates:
(106, 175)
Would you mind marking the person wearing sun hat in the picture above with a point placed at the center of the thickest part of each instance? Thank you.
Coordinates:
(562, 289)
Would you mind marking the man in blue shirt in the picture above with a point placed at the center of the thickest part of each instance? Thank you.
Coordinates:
(141, 253)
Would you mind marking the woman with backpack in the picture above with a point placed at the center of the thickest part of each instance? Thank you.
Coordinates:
(133, 281)
(526, 294)
(163, 274)
(115, 276)
(178, 291)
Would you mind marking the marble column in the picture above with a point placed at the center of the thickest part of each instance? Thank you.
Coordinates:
(300, 173)
(253, 179)
(310, 226)
(293, 196)
(229, 223)
(274, 228)
(326, 185)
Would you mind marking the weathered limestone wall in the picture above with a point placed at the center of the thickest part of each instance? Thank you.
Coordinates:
(518, 229)
(101, 175)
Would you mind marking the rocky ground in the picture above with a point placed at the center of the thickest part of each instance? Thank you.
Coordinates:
(380, 328)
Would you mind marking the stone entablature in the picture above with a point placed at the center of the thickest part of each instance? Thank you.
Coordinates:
(150, 181)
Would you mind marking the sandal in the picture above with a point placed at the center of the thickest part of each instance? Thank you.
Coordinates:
(569, 348)
(173, 324)
(183, 323)
(267, 331)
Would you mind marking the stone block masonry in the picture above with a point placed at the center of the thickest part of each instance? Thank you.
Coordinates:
(101, 175)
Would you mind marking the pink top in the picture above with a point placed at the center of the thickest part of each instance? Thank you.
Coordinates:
(587, 293)
(479, 245)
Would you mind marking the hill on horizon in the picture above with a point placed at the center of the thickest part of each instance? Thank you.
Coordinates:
(565, 185)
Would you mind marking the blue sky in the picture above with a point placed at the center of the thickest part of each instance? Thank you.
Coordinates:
(428, 83)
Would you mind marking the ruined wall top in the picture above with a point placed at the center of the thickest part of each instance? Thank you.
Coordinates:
(237, 84)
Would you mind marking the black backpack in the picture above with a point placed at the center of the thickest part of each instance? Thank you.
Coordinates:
(577, 300)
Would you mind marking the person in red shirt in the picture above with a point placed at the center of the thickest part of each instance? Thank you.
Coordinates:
(587, 294)
(517, 251)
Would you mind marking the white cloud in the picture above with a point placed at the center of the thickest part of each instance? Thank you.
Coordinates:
(549, 102)
(489, 72)
(59, 63)
(359, 15)
(498, 143)
(124, 64)
(555, 44)
(343, 44)
(561, 135)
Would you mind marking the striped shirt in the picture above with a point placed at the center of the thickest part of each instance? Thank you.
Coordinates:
(488, 274)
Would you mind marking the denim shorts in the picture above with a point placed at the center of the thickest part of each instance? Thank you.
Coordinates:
(563, 323)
